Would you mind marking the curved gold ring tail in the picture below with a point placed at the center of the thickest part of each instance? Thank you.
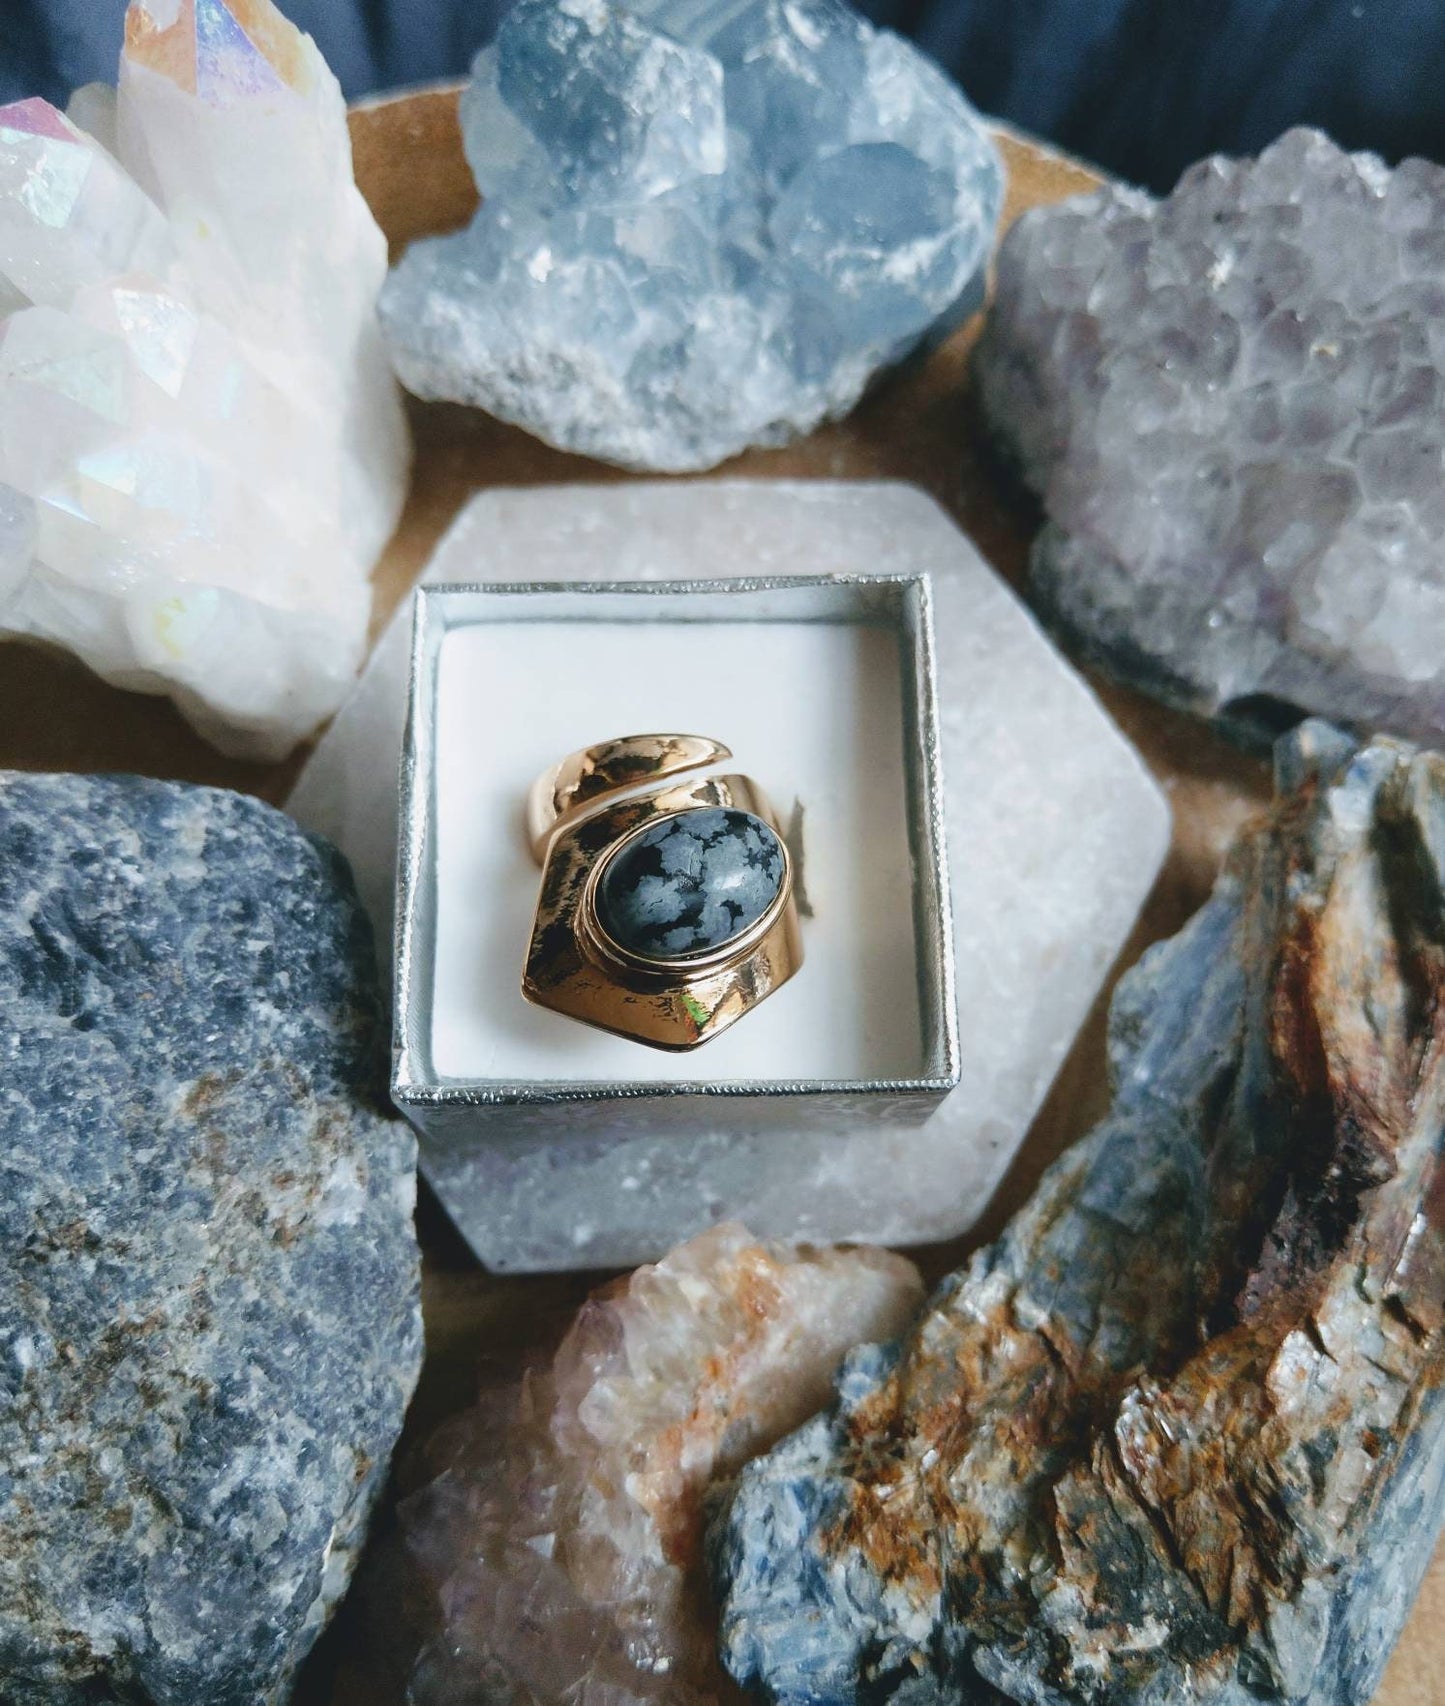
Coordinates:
(586, 778)
(581, 813)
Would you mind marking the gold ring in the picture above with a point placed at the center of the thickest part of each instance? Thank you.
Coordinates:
(666, 910)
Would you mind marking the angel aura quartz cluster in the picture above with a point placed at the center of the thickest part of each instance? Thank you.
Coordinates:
(705, 225)
(564, 1538)
(202, 449)
(1232, 403)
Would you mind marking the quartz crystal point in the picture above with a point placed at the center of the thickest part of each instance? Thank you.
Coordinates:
(197, 420)
(563, 1540)
(1178, 1436)
(705, 225)
(1230, 402)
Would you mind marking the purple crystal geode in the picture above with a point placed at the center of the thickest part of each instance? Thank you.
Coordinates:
(1232, 404)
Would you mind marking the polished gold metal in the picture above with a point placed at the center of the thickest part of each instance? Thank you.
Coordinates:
(580, 814)
(568, 789)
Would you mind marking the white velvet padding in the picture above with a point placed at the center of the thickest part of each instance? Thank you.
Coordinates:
(812, 711)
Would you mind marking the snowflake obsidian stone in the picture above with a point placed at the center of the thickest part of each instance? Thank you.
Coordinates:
(690, 883)
(665, 918)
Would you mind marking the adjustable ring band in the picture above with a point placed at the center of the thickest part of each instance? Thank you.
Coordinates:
(666, 909)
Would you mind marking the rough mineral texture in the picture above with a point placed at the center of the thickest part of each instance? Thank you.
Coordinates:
(197, 419)
(1230, 403)
(1178, 1435)
(209, 1321)
(704, 226)
(564, 1538)
(1042, 901)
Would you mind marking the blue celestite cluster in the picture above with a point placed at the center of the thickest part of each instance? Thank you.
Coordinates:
(705, 225)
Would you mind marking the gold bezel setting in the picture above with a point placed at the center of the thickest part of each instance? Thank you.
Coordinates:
(575, 968)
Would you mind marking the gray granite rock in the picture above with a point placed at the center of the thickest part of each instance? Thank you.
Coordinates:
(690, 883)
(1230, 403)
(209, 1321)
(1179, 1435)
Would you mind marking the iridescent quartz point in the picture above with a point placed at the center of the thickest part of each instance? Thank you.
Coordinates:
(194, 401)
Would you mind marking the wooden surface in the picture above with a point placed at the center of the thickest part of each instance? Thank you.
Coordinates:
(921, 427)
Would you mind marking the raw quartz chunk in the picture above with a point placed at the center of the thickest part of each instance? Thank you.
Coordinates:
(197, 423)
(1230, 402)
(705, 225)
(17, 537)
(563, 1540)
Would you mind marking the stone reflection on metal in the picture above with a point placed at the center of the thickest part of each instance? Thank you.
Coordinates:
(583, 778)
(666, 910)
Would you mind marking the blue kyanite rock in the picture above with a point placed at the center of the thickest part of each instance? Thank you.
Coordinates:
(690, 883)
(209, 1289)
(705, 225)
(1179, 1435)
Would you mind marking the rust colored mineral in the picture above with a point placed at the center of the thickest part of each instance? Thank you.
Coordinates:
(1177, 1436)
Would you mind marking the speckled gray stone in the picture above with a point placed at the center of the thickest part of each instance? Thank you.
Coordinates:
(209, 1321)
(690, 883)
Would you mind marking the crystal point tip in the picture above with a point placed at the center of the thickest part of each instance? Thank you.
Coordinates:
(221, 50)
(36, 117)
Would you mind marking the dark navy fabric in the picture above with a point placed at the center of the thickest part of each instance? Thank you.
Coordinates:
(1140, 86)
(1145, 87)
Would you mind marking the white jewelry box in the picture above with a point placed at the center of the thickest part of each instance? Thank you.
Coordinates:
(1056, 832)
(824, 689)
